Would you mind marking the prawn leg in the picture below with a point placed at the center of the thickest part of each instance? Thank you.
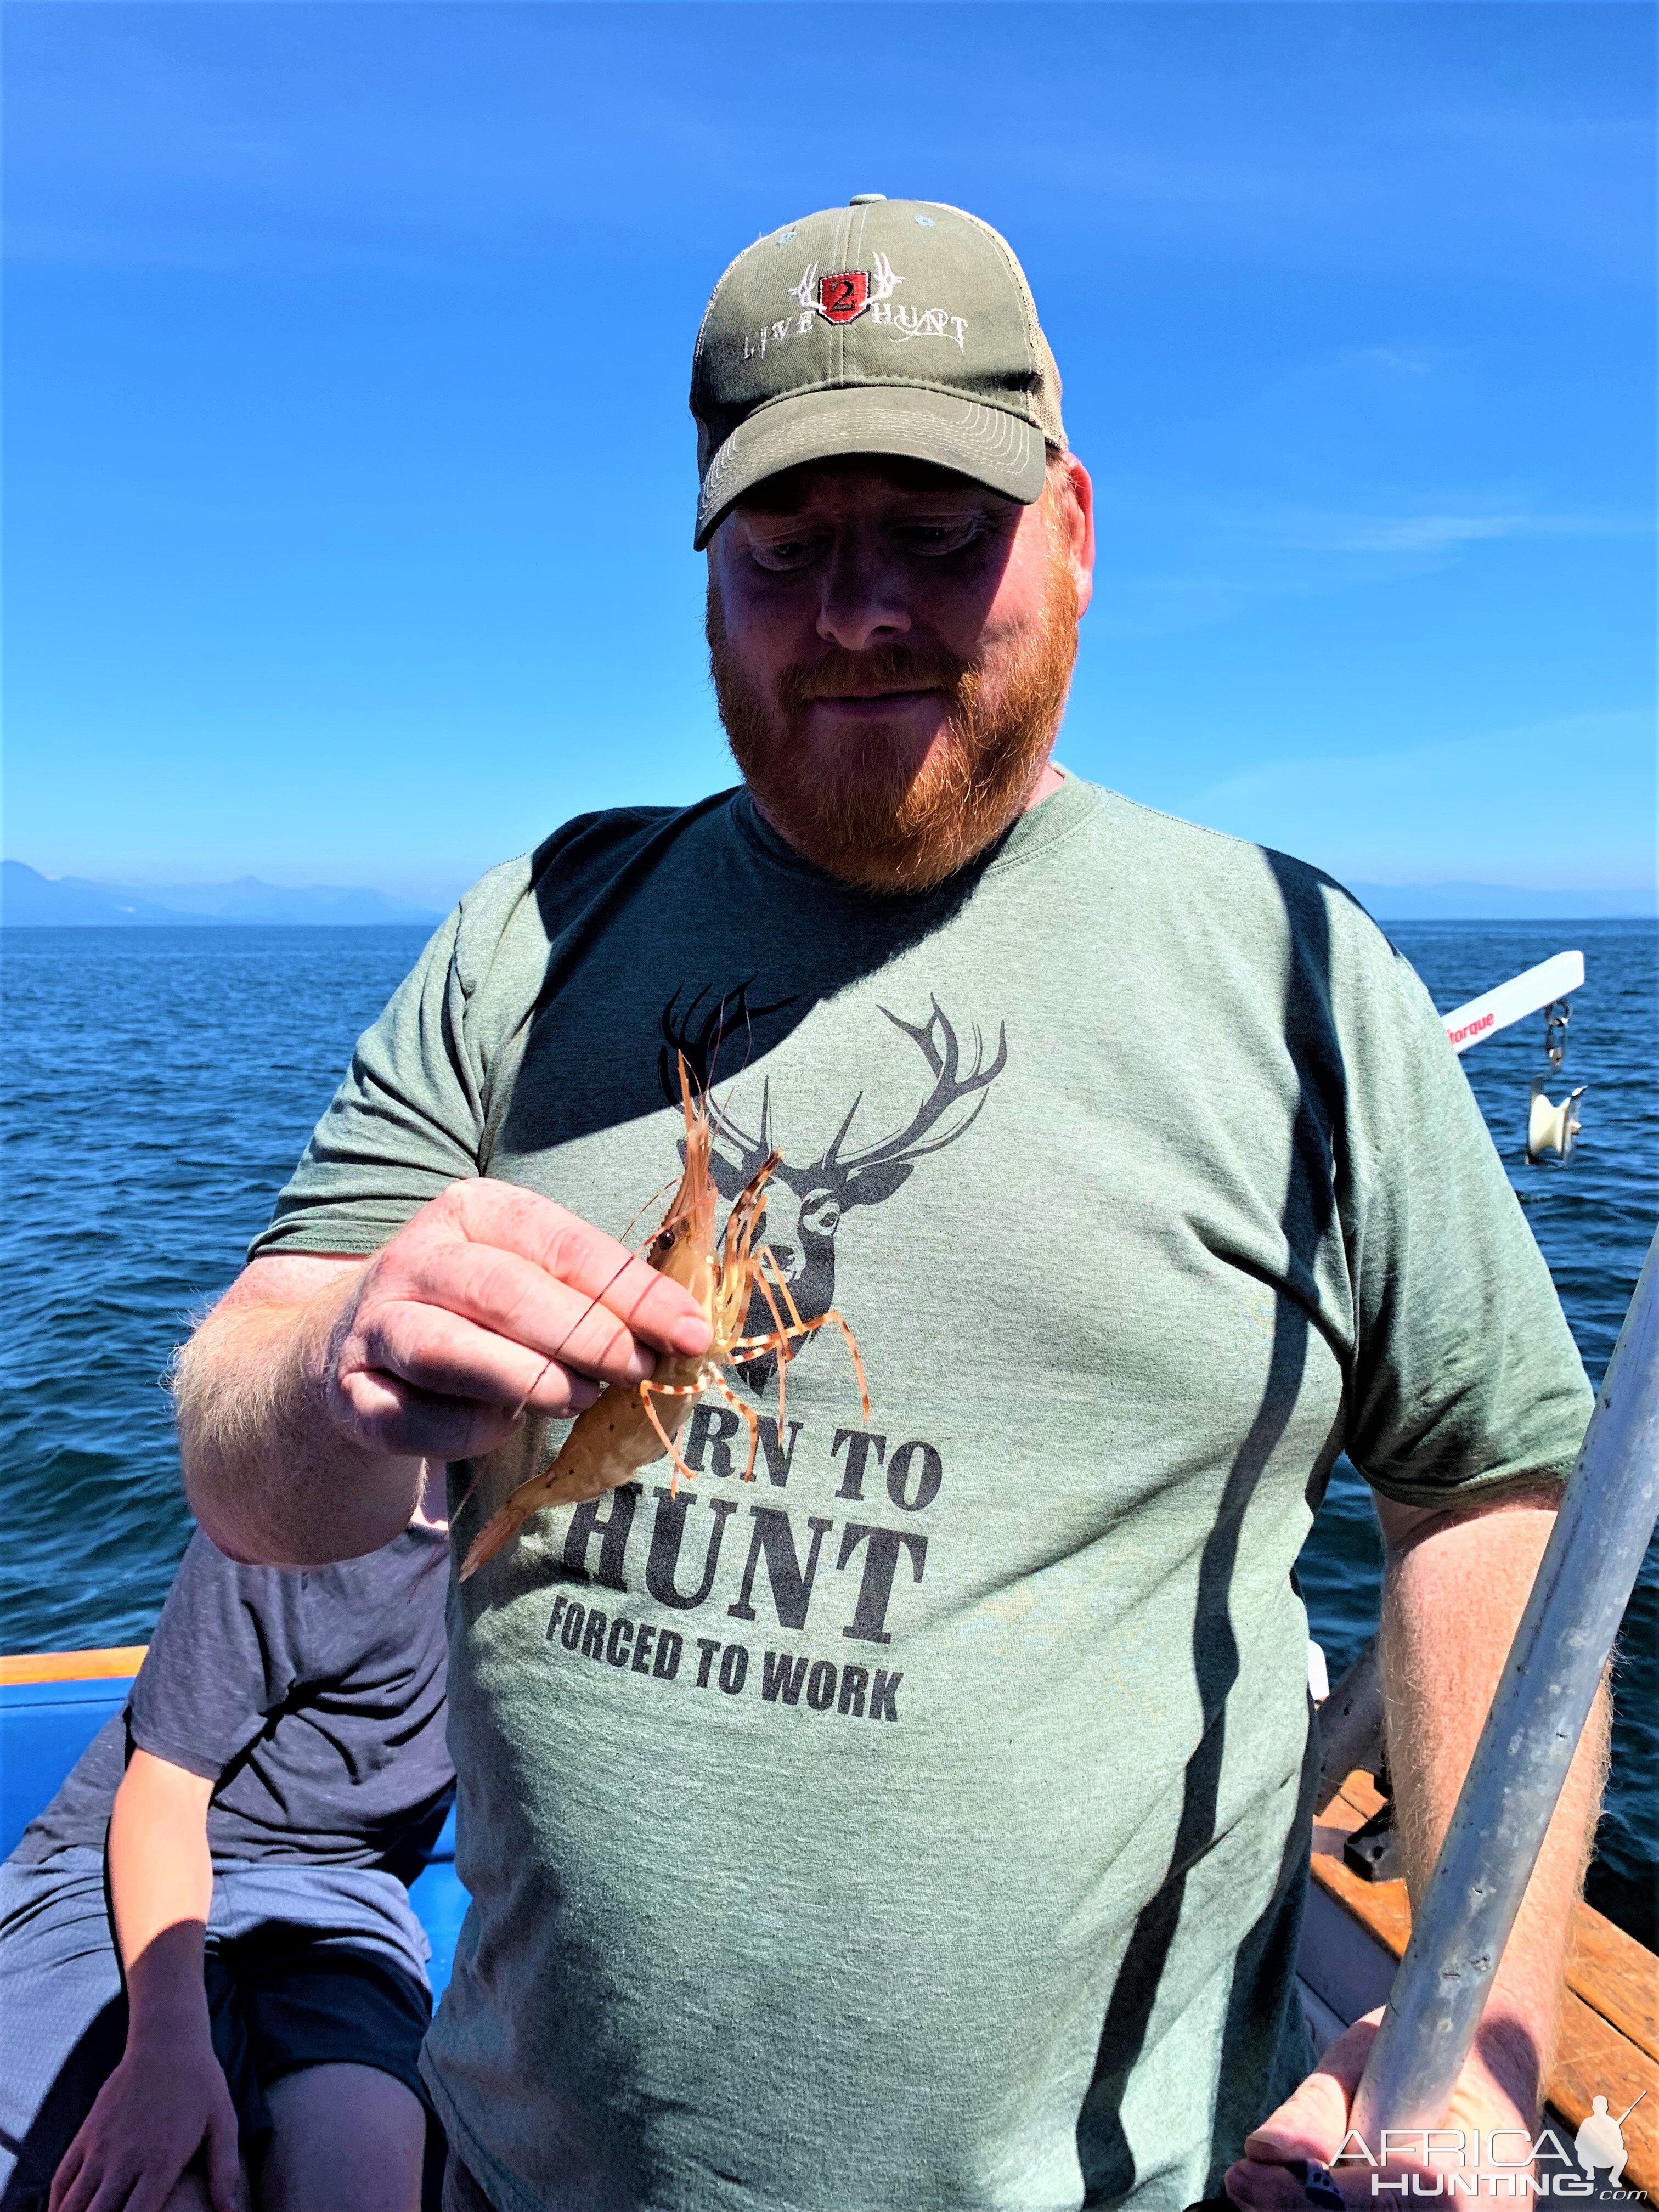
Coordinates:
(647, 1391)
(767, 1256)
(765, 1253)
(747, 1344)
(719, 1382)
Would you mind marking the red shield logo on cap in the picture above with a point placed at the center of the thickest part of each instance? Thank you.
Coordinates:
(843, 297)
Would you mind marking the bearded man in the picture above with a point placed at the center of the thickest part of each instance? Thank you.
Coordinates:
(925, 1822)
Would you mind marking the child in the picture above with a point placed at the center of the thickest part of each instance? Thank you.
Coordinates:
(249, 2033)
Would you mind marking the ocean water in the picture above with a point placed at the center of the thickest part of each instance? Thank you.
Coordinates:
(158, 1084)
(1593, 1219)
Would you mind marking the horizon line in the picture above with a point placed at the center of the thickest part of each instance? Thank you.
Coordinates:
(1648, 891)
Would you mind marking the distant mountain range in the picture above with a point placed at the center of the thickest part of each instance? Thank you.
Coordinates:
(1496, 903)
(27, 897)
(30, 899)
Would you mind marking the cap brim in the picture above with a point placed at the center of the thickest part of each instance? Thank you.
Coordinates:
(1001, 450)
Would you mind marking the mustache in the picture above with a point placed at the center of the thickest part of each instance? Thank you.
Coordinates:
(838, 670)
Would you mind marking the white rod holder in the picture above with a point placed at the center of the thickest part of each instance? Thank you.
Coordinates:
(1474, 1021)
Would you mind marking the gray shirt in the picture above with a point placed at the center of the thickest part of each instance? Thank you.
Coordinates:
(925, 1824)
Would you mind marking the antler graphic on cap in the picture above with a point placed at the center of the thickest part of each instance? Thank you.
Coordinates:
(882, 278)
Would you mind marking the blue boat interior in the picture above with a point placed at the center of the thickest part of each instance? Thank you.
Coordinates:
(46, 1726)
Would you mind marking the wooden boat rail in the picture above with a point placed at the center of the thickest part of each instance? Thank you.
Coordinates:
(120, 1660)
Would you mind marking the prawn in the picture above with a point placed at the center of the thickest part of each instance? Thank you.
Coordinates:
(622, 1429)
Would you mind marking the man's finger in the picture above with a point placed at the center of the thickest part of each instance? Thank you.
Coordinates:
(1310, 2123)
(1301, 2185)
(505, 1218)
(155, 2185)
(112, 2189)
(446, 1353)
(383, 1413)
(515, 1301)
(62, 2182)
(1286, 2165)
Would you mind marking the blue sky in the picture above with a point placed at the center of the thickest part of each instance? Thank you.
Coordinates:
(350, 478)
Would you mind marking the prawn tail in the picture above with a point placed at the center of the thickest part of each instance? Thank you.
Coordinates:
(497, 1532)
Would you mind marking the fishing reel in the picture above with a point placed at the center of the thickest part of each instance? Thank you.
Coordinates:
(1552, 1130)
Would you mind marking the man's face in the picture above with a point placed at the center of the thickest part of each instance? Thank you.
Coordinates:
(891, 647)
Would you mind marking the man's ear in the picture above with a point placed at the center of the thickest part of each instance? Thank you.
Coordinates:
(1074, 512)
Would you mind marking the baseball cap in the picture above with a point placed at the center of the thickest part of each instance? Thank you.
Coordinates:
(887, 326)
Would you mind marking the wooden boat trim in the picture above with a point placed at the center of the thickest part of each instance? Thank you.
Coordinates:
(1609, 2043)
(123, 1659)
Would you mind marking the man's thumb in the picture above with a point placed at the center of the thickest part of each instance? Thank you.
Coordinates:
(1312, 2120)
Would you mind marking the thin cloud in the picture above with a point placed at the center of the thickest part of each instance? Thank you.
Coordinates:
(1432, 533)
(1231, 561)
(1392, 360)
(1570, 792)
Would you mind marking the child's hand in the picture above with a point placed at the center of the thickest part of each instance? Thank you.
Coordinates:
(165, 2102)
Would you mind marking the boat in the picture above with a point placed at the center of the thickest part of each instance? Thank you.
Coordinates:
(1357, 1920)
(52, 1703)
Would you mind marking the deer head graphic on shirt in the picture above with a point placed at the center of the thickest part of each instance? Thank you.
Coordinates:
(808, 1200)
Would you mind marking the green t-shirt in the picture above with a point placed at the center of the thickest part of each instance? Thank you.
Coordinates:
(924, 1824)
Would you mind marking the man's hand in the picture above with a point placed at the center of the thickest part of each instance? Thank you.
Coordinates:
(312, 1395)
(487, 1302)
(1289, 2162)
(163, 2104)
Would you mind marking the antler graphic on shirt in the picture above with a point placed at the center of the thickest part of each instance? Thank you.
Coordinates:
(865, 1178)
(700, 1047)
(806, 1204)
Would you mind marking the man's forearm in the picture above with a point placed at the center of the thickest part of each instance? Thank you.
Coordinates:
(269, 1476)
(1455, 1593)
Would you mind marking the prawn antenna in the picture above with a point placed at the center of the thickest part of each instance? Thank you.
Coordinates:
(750, 1015)
(520, 1409)
(661, 1191)
(438, 1551)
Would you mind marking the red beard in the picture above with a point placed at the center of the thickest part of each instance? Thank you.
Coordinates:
(874, 817)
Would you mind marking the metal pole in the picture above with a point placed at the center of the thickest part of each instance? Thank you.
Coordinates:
(1520, 1763)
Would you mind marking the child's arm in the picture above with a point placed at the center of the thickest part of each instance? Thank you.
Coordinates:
(168, 2099)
